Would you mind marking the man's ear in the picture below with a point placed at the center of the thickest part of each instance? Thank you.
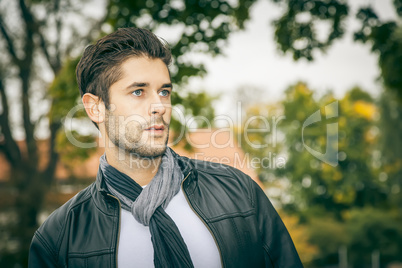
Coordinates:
(94, 107)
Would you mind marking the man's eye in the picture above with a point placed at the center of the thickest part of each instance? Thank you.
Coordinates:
(164, 93)
(137, 92)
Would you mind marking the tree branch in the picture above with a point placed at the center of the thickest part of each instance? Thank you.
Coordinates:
(57, 58)
(10, 147)
(52, 154)
(10, 43)
(43, 45)
(25, 74)
(54, 62)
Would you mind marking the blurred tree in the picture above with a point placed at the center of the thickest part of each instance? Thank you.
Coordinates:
(361, 231)
(371, 230)
(35, 38)
(297, 32)
(260, 138)
(380, 181)
(329, 199)
(328, 235)
(353, 182)
(390, 154)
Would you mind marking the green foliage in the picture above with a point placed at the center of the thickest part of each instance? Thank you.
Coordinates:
(197, 106)
(390, 143)
(361, 231)
(385, 39)
(296, 32)
(65, 99)
(328, 235)
(70, 154)
(372, 229)
(257, 132)
(353, 182)
(298, 35)
(200, 26)
(355, 204)
(64, 92)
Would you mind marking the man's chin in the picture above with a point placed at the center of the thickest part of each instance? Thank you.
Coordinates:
(148, 152)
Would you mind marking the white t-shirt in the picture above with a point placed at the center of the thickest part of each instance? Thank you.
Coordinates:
(135, 245)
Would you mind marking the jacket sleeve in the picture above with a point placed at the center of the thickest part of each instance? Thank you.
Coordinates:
(40, 254)
(278, 246)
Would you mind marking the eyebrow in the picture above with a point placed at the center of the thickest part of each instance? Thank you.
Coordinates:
(138, 84)
(167, 85)
(142, 84)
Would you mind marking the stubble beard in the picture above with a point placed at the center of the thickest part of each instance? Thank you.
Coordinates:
(130, 137)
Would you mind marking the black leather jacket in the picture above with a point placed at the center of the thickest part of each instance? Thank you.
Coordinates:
(84, 232)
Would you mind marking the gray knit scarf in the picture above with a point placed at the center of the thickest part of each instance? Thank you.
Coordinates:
(147, 206)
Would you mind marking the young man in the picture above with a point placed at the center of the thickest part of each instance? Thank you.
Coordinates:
(149, 206)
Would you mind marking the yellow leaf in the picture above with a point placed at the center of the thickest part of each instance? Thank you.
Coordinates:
(365, 109)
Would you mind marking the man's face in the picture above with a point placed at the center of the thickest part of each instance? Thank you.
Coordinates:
(139, 114)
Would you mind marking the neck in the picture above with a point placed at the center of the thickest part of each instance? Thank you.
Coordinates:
(141, 170)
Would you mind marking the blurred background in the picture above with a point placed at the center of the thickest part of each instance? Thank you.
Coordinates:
(238, 65)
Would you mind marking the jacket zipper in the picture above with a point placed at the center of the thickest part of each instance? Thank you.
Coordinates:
(202, 220)
(118, 233)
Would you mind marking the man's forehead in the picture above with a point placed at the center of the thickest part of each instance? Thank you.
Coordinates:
(144, 72)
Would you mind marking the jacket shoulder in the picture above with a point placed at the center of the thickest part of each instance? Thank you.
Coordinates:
(50, 233)
(226, 178)
(222, 171)
(215, 168)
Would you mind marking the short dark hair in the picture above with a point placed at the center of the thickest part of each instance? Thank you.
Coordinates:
(100, 65)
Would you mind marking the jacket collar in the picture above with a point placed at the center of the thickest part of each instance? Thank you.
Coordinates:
(189, 171)
(100, 182)
(100, 196)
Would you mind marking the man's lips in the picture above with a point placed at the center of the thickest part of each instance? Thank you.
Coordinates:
(156, 127)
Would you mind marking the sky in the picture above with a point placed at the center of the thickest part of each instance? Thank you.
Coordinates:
(252, 60)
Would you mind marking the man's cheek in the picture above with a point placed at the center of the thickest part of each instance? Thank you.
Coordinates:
(133, 132)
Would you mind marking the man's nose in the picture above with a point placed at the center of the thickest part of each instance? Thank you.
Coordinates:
(157, 107)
